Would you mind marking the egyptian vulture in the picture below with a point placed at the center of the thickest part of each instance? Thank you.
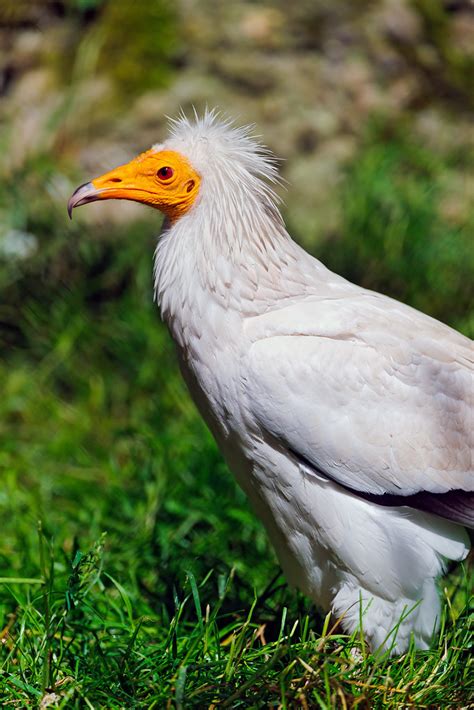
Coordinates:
(345, 415)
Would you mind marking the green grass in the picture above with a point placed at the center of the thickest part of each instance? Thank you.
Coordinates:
(399, 235)
(133, 573)
(94, 642)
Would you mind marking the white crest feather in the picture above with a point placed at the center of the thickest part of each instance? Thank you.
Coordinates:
(229, 158)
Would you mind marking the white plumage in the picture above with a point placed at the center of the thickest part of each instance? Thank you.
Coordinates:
(345, 416)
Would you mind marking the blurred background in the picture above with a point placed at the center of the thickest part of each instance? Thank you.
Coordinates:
(369, 104)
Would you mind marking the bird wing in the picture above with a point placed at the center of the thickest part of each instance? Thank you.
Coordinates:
(370, 393)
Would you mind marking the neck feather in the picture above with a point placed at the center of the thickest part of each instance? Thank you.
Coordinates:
(231, 250)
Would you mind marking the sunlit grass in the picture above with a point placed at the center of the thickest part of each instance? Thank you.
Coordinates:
(88, 639)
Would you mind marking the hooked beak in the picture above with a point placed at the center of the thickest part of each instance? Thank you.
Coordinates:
(125, 182)
(140, 181)
(85, 193)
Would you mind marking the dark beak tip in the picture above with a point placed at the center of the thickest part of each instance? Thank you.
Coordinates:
(85, 193)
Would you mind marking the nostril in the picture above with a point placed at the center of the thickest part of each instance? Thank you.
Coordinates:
(115, 179)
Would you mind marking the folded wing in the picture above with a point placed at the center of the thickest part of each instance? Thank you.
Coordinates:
(371, 394)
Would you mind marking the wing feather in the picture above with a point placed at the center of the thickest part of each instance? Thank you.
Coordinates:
(373, 394)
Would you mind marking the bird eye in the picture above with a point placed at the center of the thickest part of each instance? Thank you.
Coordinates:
(165, 173)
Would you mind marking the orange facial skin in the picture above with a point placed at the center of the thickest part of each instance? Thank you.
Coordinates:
(163, 179)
